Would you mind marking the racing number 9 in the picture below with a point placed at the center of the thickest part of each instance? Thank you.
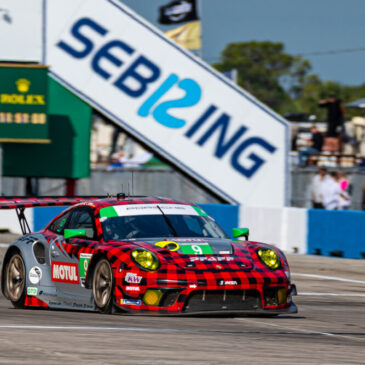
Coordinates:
(197, 249)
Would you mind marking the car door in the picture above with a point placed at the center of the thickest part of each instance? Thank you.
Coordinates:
(69, 262)
(82, 247)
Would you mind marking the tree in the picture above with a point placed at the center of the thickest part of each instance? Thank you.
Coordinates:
(313, 89)
(266, 71)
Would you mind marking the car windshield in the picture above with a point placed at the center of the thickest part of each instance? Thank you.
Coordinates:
(151, 226)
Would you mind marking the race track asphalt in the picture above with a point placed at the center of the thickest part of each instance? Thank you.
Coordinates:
(329, 329)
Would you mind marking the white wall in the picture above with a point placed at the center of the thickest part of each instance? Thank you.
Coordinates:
(9, 220)
(285, 228)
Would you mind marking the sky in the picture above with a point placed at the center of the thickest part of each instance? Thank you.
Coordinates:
(304, 27)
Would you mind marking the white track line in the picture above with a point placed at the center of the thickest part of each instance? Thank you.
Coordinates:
(5, 245)
(328, 278)
(334, 294)
(284, 329)
(93, 328)
(309, 332)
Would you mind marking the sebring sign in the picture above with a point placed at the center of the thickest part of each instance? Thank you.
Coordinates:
(169, 99)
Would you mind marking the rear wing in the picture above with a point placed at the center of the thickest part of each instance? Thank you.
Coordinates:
(22, 202)
(19, 203)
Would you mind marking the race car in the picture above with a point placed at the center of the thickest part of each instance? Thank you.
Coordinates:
(141, 255)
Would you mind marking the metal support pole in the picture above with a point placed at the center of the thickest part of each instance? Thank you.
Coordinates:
(70, 187)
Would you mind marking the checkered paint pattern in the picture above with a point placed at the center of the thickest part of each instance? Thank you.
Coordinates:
(185, 274)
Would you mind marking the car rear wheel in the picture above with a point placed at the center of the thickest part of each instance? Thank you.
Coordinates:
(15, 280)
(103, 286)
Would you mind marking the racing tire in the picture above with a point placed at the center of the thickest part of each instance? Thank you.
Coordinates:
(103, 286)
(15, 280)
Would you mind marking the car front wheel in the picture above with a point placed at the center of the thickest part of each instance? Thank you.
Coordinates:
(15, 280)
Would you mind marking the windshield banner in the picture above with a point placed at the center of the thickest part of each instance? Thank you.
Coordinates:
(148, 209)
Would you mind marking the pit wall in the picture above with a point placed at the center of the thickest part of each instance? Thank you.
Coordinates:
(285, 228)
(293, 230)
(308, 231)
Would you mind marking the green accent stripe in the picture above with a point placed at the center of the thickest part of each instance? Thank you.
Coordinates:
(200, 211)
(108, 212)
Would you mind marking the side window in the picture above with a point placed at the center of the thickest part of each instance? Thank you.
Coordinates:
(82, 219)
(59, 224)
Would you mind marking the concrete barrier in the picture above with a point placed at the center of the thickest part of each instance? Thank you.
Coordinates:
(286, 228)
(9, 220)
(42, 216)
(336, 233)
(225, 215)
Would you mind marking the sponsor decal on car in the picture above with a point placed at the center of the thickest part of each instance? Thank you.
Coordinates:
(196, 249)
(65, 272)
(130, 302)
(232, 282)
(147, 209)
(193, 286)
(35, 275)
(83, 265)
(32, 291)
(132, 278)
(132, 288)
(211, 259)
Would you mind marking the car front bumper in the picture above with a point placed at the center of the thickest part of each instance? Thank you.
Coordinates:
(199, 301)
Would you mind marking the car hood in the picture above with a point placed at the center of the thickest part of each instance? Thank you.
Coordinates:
(208, 246)
(202, 253)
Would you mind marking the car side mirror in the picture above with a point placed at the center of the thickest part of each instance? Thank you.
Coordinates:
(240, 232)
(69, 233)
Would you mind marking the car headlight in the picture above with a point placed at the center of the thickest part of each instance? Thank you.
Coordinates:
(146, 259)
(269, 257)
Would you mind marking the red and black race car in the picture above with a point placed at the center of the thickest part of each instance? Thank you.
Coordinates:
(140, 254)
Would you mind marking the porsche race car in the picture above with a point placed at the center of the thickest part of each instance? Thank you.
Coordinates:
(141, 255)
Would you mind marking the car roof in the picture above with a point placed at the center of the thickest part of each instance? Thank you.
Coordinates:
(107, 202)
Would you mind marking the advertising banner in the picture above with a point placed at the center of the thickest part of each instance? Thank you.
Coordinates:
(23, 104)
(169, 99)
(68, 154)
